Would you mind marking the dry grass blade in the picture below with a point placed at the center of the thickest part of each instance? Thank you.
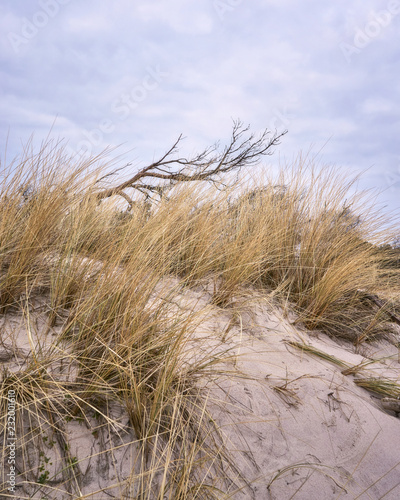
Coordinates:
(317, 352)
(115, 348)
(380, 385)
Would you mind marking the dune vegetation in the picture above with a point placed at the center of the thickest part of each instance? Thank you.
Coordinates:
(90, 281)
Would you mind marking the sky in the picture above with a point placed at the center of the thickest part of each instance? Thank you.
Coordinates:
(139, 73)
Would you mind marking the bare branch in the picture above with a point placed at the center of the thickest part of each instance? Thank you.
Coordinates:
(243, 150)
(128, 199)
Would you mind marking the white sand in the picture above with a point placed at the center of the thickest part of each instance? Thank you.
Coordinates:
(297, 427)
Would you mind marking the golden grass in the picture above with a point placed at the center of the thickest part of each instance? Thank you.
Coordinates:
(121, 340)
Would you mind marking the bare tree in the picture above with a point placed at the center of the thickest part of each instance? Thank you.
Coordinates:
(243, 150)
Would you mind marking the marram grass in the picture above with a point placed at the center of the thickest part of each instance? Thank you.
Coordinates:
(98, 288)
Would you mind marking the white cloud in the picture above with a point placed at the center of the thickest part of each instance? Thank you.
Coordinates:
(275, 63)
(183, 16)
(373, 105)
(89, 24)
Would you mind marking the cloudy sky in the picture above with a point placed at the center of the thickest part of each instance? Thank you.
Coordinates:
(139, 73)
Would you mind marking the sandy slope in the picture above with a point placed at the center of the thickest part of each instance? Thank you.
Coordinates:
(302, 429)
(302, 410)
(296, 426)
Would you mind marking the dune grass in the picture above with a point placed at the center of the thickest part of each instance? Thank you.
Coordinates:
(109, 346)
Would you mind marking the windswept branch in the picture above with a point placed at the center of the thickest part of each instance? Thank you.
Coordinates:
(243, 150)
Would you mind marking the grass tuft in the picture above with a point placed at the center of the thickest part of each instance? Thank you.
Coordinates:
(110, 344)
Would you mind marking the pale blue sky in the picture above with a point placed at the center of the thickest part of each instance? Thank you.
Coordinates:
(140, 73)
